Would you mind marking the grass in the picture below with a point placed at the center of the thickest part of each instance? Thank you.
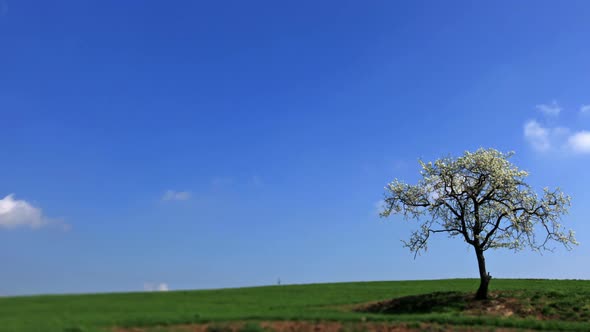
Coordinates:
(567, 302)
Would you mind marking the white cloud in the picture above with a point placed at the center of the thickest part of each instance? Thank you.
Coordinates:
(580, 142)
(558, 139)
(172, 195)
(19, 213)
(537, 135)
(155, 287)
(552, 109)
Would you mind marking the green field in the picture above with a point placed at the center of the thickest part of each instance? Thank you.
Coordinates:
(567, 300)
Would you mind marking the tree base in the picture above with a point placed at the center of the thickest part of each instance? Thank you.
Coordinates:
(482, 291)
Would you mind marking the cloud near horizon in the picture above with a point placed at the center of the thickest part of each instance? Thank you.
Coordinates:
(155, 287)
(16, 213)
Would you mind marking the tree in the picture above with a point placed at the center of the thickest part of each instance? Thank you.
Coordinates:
(482, 198)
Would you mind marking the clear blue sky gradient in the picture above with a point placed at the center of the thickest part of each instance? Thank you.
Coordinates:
(284, 120)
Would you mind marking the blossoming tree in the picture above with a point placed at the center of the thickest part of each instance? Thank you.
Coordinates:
(482, 198)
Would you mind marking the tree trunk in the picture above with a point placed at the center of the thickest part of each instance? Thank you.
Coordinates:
(484, 276)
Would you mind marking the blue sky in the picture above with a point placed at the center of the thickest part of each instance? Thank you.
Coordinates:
(152, 145)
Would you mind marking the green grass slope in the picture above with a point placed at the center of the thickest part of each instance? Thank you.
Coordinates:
(101, 312)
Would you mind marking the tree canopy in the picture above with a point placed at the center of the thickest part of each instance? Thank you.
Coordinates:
(482, 198)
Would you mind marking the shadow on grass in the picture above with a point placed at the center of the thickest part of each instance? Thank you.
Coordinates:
(423, 303)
